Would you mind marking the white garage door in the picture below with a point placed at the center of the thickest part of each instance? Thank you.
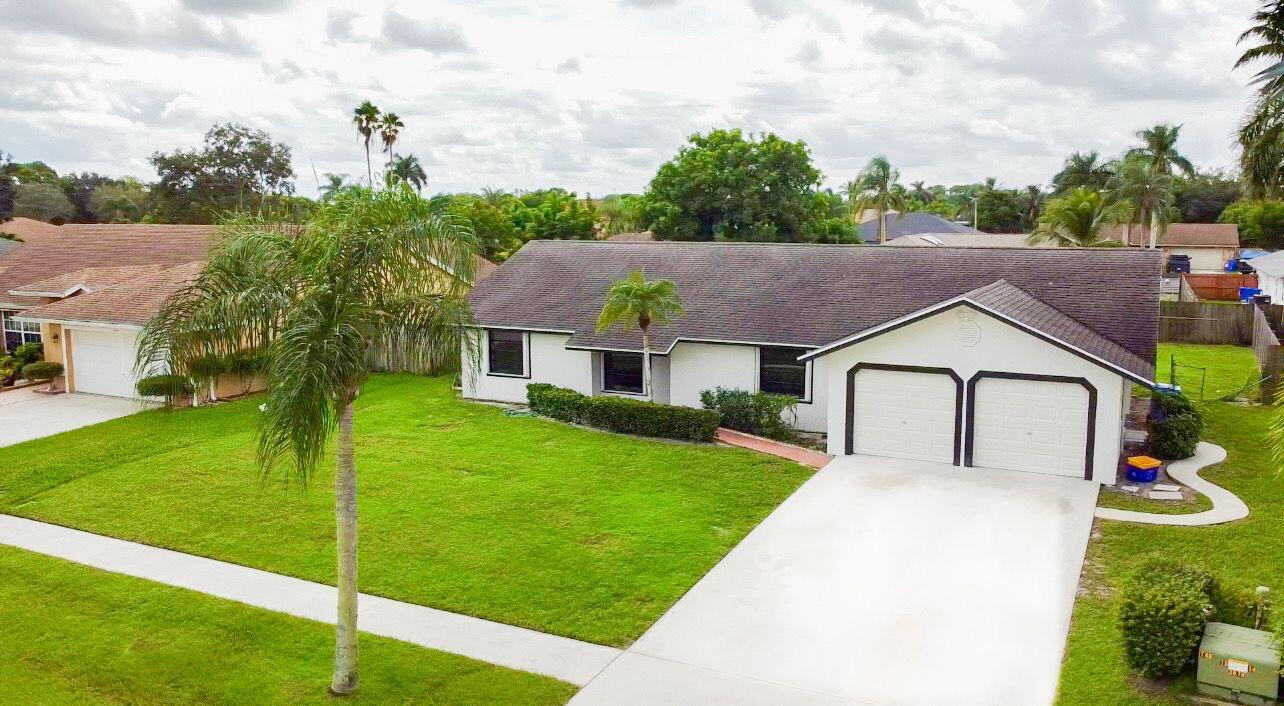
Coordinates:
(103, 361)
(1030, 425)
(904, 414)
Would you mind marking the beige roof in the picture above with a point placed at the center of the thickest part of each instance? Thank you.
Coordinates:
(1187, 235)
(90, 279)
(27, 229)
(132, 303)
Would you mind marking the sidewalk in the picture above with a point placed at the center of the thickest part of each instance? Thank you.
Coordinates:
(519, 648)
(1227, 507)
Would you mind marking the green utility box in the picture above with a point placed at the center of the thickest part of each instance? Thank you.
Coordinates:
(1238, 664)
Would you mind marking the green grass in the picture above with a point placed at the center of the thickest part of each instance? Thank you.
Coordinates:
(1250, 552)
(1228, 369)
(76, 635)
(520, 520)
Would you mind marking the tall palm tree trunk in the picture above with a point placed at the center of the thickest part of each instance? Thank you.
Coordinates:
(882, 227)
(1154, 230)
(369, 169)
(646, 364)
(345, 517)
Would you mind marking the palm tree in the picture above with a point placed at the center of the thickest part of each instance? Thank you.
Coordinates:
(389, 130)
(1160, 150)
(1261, 133)
(1078, 219)
(495, 197)
(409, 170)
(875, 189)
(1148, 192)
(334, 183)
(1032, 204)
(637, 300)
(366, 119)
(1268, 32)
(1082, 169)
(919, 191)
(315, 300)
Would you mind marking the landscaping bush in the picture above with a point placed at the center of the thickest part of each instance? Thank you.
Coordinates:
(751, 412)
(1175, 427)
(556, 402)
(650, 418)
(41, 371)
(167, 386)
(1241, 605)
(1162, 617)
(9, 370)
(28, 353)
(623, 415)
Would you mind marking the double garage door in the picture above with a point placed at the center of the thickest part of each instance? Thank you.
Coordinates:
(1017, 422)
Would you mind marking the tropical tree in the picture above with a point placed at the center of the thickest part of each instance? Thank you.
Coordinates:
(390, 127)
(635, 300)
(1268, 33)
(408, 169)
(1150, 195)
(1032, 200)
(315, 301)
(366, 118)
(1082, 169)
(920, 192)
(334, 183)
(1160, 150)
(875, 189)
(1078, 219)
(237, 168)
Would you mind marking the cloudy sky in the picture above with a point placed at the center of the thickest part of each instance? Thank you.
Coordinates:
(593, 95)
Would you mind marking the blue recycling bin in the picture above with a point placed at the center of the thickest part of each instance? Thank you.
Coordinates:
(1246, 294)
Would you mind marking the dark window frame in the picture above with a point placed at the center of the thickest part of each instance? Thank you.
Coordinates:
(806, 397)
(524, 338)
(21, 332)
(608, 356)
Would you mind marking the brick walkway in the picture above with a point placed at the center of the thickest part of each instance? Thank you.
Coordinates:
(806, 457)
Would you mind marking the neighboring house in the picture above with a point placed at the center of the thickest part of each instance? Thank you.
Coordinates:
(1008, 358)
(966, 240)
(912, 223)
(1270, 275)
(1209, 245)
(644, 236)
(87, 290)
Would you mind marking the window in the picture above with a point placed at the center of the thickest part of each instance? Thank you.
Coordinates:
(507, 353)
(622, 372)
(780, 372)
(17, 333)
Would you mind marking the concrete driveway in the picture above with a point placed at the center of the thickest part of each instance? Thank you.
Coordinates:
(26, 414)
(878, 582)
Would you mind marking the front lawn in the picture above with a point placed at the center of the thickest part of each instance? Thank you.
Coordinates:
(76, 635)
(1250, 551)
(520, 520)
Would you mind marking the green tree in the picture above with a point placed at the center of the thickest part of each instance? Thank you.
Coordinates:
(390, 127)
(875, 189)
(237, 168)
(1078, 218)
(552, 214)
(920, 193)
(316, 301)
(408, 169)
(7, 188)
(1202, 198)
(999, 210)
(1261, 223)
(1032, 200)
(728, 186)
(79, 189)
(42, 201)
(333, 184)
(1159, 150)
(620, 213)
(635, 300)
(1082, 169)
(124, 201)
(496, 233)
(1267, 38)
(1149, 193)
(365, 118)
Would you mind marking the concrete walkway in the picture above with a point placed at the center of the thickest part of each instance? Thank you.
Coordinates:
(559, 657)
(1227, 507)
(26, 414)
(879, 581)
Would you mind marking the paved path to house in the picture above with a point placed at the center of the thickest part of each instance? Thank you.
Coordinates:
(559, 657)
(26, 414)
(1227, 507)
(806, 457)
(877, 582)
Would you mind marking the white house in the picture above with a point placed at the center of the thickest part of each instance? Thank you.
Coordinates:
(1021, 359)
(1270, 275)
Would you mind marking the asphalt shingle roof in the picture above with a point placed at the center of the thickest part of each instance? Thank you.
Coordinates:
(913, 223)
(132, 303)
(813, 295)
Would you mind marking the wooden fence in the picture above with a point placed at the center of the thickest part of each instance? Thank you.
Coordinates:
(1266, 346)
(1236, 324)
(1221, 287)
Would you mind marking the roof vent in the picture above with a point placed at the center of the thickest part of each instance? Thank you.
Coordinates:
(933, 240)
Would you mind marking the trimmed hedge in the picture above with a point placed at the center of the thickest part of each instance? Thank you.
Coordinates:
(758, 413)
(42, 371)
(623, 415)
(167, 386)
(1175, 426)
(1162, 616)
(1241, 605)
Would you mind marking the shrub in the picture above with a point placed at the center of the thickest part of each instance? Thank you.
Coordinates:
(28, 353)
(556, 402)
(41, 371)
(1175, 427)
(650, 418)
(623, 415)
(167, 386)
(1242, 605)
(1162, 616)
(9, 369)
(751, 412)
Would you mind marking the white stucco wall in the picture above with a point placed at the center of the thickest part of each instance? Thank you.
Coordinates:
(1203, 260)
(548, 361)
(934, 342)
(1274, 286)
(694, 367)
